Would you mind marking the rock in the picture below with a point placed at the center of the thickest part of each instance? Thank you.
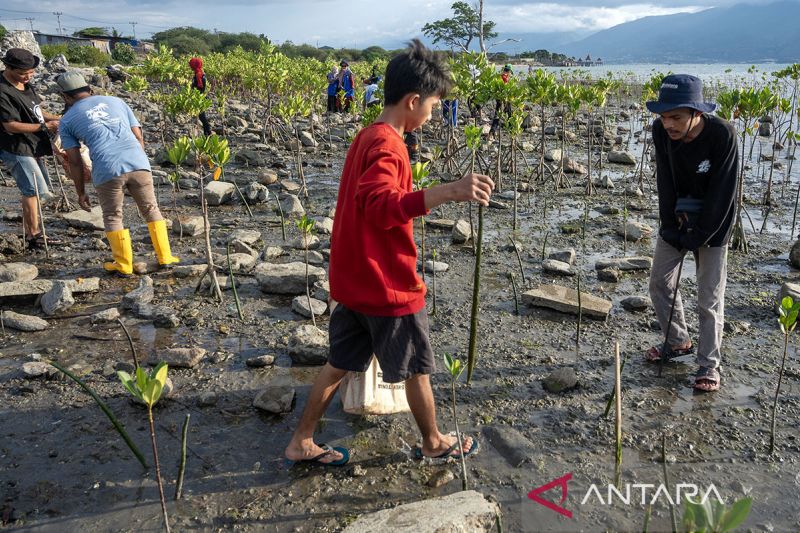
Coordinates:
(300, 244)
(21, 39)
(636, 303)
(23, 322)
(509, 195)
(316, 258)
(307, 139)
(566, 256)
(611, 275)
(557, 267)
(462, 232)
(606, 182)
(58, 299)
(275, 399)
(143, 294)
(57, 63)
(255, 193)
(208, 399)
(36, 369)
(621, 157)
(440, 223)
(247, 236)
(188, 271)
(239, 262)
(561, 380)
(260, 361)
(286, 278)
(267, 177)
(765, 129)
(436, 266)
(192, 226)
(787, 289)
(292, 206)
(634, 231)
(117, 73)
(239, 247)
(290, 186)
(141, 268)
(440, 478)
(323, 225)
(553, 154)
(219, 192)
(794, 254)
(566, 300)
(81, 219)
(302, 305)
(10, 244)
(463, 511)
(625, 264)
(18, 272)
(497, 205)
(573, 167)
(308, 346)
(272, 252)
(108, 315)
(40, 286)
(511, 444)
(178, 357)
(321, 290)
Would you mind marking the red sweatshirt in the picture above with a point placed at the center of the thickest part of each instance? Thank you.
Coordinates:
(373, 265)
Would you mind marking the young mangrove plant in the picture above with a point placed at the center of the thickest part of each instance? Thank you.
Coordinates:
(419, 175)
(711, 516)
(787, 321)
(473, 134)
(147, 389)
(306, 227)
(455, 369)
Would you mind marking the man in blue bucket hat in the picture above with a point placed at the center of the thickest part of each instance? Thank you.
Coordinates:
(696, 162)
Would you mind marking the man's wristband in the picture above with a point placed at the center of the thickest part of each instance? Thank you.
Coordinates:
(43, 127)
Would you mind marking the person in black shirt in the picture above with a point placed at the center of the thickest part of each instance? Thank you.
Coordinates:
(696, 162)
(199, 83)
(25, 136)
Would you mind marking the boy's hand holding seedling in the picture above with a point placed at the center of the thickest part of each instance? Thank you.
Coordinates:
(472, 187)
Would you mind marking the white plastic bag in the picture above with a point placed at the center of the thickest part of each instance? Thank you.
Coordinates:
(365, 393)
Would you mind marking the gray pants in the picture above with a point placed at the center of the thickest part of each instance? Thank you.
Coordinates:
(712, 271)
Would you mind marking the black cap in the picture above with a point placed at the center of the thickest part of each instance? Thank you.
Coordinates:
(680, 90)
(19, 58)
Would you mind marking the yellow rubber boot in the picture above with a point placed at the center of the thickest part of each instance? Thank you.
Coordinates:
(120, 242)
(158, 234)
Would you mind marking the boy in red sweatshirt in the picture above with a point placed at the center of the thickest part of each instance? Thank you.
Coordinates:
(373, 265)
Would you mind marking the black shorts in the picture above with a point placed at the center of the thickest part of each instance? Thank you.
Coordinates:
(401, 343)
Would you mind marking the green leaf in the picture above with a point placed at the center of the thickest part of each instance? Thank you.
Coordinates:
(737, 514)
(786, 302)
(159, 373)
(141, 379)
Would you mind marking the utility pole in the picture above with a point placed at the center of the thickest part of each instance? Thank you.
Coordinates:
(134, 29)
(30, 21)
(58, 16)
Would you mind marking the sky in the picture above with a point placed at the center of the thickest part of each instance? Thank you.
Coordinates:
(337, 23)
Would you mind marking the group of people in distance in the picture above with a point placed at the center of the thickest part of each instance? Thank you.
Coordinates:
(377, 298)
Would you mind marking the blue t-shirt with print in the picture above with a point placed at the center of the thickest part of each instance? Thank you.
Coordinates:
(103, 124)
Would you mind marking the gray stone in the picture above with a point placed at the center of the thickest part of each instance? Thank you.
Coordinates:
(436, 266)
(308, 346)
(239, 247)
(208, 399)
(794, 254)
(290, 186)
(188, 271)
(36, 369)
(255, 193)
(260, 361)
(765, 129)
(40, 286)
(10, 244)
(561, 380)
(292, 206)
(143, 294)
(286, 278)
(321, 290)
(239, 262)
(275, 399)
(463, 511)
(247, 236)
(267, 177)
(509, 195)
(573, 167)
(21, 39)
(788, 289)
(272, 252)
(219, 192)
(557, 267)
(553, 154)
(462, 232)
(511, 444)
(58, 299)
(606, 182)
(566, 300)
(307, 139)
(440, 478)
(323, 225)
(300, 243)
(611, 275)
(178, 357)
(192, 226)
(23, 322)
(625, 264)
(636, 303)
(18, 272)
(304, 306)
(85, 219)
(108, 315)
(566, 256)
(621, 157)
(634, 231)
(440, 223)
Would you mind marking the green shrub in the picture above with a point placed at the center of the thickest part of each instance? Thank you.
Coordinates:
(123, 53)
(3, 31)
(49, 51)
(87, 55)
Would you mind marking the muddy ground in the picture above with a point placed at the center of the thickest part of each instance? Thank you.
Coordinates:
(64, 468)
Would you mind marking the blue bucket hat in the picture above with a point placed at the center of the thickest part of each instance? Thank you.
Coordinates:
(680, 90)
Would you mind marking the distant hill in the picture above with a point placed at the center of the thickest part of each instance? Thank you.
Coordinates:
(741, 33)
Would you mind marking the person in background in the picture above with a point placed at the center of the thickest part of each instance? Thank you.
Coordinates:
(371, 92)
(199, 83)
(333, 88)
(505, 75)
(107, 126)
(347, 85)
(25, 138)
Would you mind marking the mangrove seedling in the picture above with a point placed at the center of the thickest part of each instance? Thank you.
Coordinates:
(306, 227)
(455, 369)
(787, 321)
(147, 389)
(711, 516)
(419, 175)
(473, 134)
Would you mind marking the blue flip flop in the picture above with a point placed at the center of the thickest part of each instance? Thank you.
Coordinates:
(327, 450)
(417, 451)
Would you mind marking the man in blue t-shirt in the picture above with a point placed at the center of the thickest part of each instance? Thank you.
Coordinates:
(106, 125)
